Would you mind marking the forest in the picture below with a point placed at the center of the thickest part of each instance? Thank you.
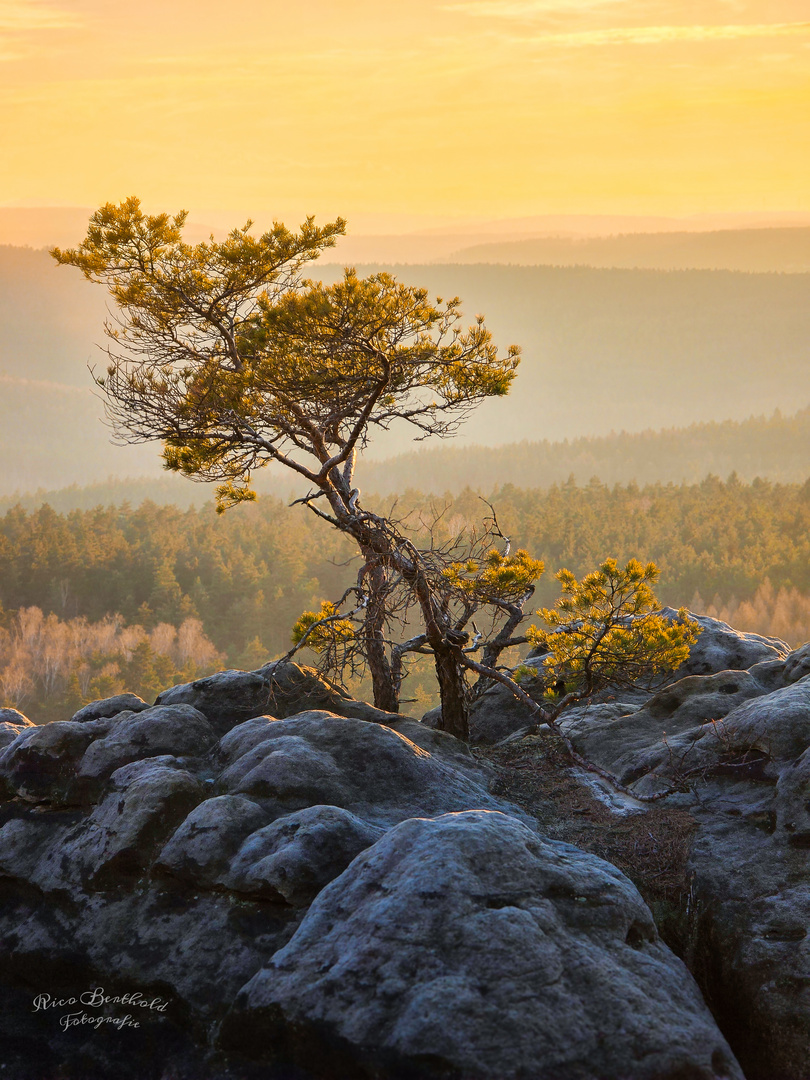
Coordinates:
(95, 601)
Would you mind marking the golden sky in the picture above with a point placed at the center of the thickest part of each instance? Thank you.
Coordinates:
(462, 108)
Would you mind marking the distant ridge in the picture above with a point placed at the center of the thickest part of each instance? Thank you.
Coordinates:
(774, 448)
(758, 250)
(603, 350)
(392, 239)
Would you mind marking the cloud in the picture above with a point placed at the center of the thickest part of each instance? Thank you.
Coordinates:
(23, 16)
(658, 35)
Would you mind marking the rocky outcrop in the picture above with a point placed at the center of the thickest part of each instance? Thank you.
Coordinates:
(729, 738)
(741, 769)
(463, 945)
(191, 893)
(278, 689)
(12, 723)
(719, 648)
(111, 706)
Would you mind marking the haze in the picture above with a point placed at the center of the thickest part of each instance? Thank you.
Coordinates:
(400, 116)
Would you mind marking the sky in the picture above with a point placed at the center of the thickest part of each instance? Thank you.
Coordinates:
(407, 114)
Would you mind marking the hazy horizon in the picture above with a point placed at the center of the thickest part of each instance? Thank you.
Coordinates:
(406, 239)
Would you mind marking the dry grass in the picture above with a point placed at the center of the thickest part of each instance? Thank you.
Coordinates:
(651, 847)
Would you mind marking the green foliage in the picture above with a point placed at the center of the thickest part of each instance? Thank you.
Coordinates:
(222, 352)
(147, 267)
(324, 629)
(524, 673)
(606, 629)
(496, 577)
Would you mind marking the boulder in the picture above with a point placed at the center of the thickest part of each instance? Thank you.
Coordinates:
(318, 758)
(754, 741)
(797, 665)
(497, 714)
(201, 850)
(673, 721)
(745, 779)
(123, 834)
(110, 706)
(792, 802)
(161, 729)
(468, 946)
(74, 851)
(770, 674)
(13, 716)
(720, 647)
(276, 689)
(12, 723)
(156, 878)
(294, 858)
(41, 763)
(152, 851)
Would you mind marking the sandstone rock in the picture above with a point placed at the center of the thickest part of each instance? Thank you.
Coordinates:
(445, 746)
(521, 958)
(318, 758)
(225, 699)
(746, 781)
(41, 763)
(279, 690)
(663, 734)
(295, 857)
(779, 724)
(201, 850)
(110, 706)
(115, 842)
(161, 729)
(792, 802)
(698, 698)
(155, 882)
(720, 647)
(797, 665)
(770, 674)
(496, 714)
(751, 910)
(122, 835)
(140, 850)
(32, 849)
(13, 716)
(12, 723)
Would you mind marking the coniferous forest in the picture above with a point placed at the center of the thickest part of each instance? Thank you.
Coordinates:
(95, 601)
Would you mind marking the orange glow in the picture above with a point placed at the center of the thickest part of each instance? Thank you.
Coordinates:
(487, 107)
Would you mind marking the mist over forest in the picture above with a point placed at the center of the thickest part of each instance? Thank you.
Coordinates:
(654, 349)
(635, 386)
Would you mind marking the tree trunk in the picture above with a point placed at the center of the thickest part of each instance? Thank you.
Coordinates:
(382, 679)
(455, 714)
(385, 696)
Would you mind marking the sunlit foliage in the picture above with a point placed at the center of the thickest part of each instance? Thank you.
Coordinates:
(607, 630)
